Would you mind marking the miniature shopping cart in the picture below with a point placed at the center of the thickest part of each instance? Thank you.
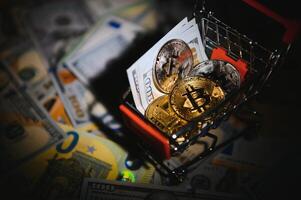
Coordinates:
(255, 63)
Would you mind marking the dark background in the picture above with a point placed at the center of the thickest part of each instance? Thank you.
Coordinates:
(278, 102)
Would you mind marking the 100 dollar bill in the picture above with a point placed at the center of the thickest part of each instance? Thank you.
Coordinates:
(140, 74)
(28, 69)
(26, 128)
(26, 65)
(133, 71)
(53, 24)
(114, 190)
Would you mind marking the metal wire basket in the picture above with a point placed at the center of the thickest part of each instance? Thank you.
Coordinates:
(222, 42)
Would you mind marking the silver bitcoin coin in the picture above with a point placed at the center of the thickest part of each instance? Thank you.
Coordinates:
(223, 73)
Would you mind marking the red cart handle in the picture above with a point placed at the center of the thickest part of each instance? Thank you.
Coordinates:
(146, 132)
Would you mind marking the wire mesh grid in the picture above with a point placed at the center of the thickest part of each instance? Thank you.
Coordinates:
(260, 63)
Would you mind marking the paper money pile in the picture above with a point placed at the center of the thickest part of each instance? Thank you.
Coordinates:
(52, 126)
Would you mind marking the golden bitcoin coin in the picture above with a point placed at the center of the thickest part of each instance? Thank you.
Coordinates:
(174, 61)
(193, 96)
(162, 116)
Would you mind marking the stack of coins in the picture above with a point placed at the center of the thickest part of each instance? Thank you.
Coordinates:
(189, 91)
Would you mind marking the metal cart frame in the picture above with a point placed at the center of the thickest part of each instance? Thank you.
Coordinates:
(256, 64)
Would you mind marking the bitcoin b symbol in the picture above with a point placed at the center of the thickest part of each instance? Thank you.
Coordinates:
(193, 96)
(197, 98)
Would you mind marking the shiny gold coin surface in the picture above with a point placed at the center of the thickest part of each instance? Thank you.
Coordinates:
(193, 96)
(174, 61)
(162, 116)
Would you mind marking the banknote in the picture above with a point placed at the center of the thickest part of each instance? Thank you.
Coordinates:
(132, 72)
(99, 8)
(93, 188)
(200, 146)
(219, 135)
(52, 24)
(107, 40)
(141, 12)
(75, 96)
(250, 153)
(26, 128)
(29, 70)
(58, 172)
(205, 174)
(140, 74)
(215, 178)
(84, 111)
(105, 27)
(25, 63)
(149, 91)
(48, 97)
(101, 30)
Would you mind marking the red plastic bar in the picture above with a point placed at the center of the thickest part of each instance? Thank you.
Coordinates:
(149, 134)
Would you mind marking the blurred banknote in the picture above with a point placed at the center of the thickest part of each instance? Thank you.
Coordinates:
(200, 146)
(76, 98)
(26, 129)
(29, 70)
(141, 12)
(84, 111)
(52, 24)
(58, 172)
(25, 63)
(215, 178)
(99, 8)
(133, 77)
(48, 97)
(250, 153)
(104, 42)
(140, 74)
(204, 174)
(113, 190)
(102, 30)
